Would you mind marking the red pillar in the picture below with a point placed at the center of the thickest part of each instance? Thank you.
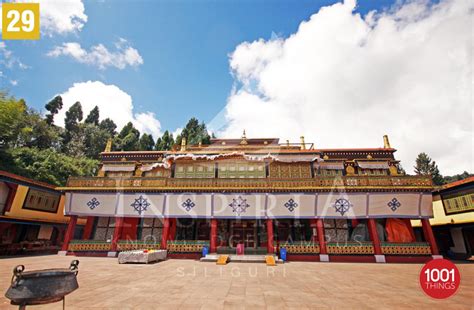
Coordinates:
(374, 236)
(117, 233)
(172, 234)
(269, 236)
(165, 233)
(213, 241)
(86, 234)
(314, 230)
(321, 237)
(429, 236)
(69, 232)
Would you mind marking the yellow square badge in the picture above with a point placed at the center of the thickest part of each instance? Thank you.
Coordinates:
(20, 21)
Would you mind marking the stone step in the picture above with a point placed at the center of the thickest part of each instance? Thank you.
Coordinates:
(240, 258)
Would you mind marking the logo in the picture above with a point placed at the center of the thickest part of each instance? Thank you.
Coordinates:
(20, 21)
(440, 278)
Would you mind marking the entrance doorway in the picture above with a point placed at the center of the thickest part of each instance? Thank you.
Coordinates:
(244, 232)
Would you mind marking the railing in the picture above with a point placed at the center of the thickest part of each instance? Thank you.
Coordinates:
(318, 182)
(300, 247)
(413, 248)
(89, 246)
(129, 245)
(186, 246)
(348, 248)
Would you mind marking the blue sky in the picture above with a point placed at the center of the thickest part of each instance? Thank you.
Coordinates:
(328, 70)
(184, 45)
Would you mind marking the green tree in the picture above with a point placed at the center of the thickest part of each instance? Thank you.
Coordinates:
(95, 139)
(194, 133)
(426, 166)
(146, 142)
(165, 143)
(12, 120)
(53, 107)
(128, 138)
(457, 177)
(109, 126)
(93, 117)
(71, 122)
(46, 165)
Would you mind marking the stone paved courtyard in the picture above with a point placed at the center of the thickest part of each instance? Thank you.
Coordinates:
(180, 284)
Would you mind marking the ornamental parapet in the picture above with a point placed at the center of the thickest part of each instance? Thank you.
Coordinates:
(421, 183)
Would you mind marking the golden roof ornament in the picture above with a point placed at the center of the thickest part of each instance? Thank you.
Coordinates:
(303, 145)
(386, 143)
(183, 144)
(108, 146)
(244, 139)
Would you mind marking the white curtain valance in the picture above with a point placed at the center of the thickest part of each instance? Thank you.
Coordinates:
(118, 168)
(373, 165)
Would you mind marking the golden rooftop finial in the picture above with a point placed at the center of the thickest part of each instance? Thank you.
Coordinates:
(386, 143)
(303, 145)
(244, 139)
(108, 146)
(183, 144)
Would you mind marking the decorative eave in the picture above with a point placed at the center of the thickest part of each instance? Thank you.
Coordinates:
(347, 183)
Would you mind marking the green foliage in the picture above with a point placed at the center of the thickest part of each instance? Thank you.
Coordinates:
(12, 119)
(194, 133)
(109, 126)
(457, 177)
(165, 143)
(146, 143)
(93, 117)
(46, 165)
(128, 138)
(426, 166)
(71, 122)
(95, 139)
(53, 107)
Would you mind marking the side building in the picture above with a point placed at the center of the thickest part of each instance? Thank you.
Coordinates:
(257, 195)
(453, 221)
(32, 219)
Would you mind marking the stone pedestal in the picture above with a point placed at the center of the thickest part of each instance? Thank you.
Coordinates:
(140, 257)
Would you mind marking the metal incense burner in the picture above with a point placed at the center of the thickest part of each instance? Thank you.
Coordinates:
(42, 286)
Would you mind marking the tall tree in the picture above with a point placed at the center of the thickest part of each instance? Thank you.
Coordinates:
(109, 126)
(95, 140)
(93, 117)
(426, 166)
(194, 133)
(128, 138)
(53, 107)
(146, 142)
(165, 143)
(71, 122)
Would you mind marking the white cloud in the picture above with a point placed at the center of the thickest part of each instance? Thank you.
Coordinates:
(9, 60)
(343, 80)
(99, 55)
(113, 103)
(14, 82)
(60, 16)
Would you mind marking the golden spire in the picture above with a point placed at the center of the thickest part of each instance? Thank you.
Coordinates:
(183, 144)
(108, 146)
(244, 139)
(386, 143)
(303, 145)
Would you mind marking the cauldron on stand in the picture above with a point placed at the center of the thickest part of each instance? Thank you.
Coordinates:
(42, 286)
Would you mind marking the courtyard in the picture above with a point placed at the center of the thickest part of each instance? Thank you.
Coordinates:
(180, 284)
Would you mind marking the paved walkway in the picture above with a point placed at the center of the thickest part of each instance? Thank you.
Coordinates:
(190, 284)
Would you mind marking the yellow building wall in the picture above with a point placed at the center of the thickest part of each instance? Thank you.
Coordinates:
(440, 218)
(16, 211)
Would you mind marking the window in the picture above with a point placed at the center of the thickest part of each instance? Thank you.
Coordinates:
(150, 229)
(104, 229)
